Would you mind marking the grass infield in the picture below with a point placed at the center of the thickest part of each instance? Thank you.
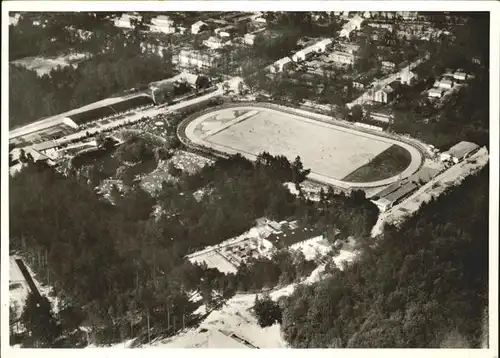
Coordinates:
(389, 163)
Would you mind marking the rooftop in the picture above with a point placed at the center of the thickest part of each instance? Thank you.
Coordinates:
(461, 149)
(402, 191)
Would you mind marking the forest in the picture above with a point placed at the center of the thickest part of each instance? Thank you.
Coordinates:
(114, 65)
(124, 267)
(423, 285)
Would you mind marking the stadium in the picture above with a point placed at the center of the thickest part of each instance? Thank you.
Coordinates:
(332, 152)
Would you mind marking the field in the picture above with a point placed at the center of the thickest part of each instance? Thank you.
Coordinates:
(331, 152)
(390, 162)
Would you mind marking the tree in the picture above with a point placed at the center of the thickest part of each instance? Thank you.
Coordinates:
(267, 311)
(39, 320)
(298, 171)
(357, 113)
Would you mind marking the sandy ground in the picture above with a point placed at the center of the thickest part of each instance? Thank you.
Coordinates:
(335, 153)
(236, 317)
(449, 178)
(330, 151)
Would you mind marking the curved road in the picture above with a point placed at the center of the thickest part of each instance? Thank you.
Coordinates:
(187, 135)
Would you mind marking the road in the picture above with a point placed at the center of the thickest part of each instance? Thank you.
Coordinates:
(135, 117)
(450, 177)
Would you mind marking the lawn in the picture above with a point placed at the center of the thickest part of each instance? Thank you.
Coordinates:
(387, 164)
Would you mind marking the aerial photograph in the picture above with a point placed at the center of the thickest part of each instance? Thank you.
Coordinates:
(267, 179)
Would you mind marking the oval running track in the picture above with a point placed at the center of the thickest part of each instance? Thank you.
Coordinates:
(188, 137)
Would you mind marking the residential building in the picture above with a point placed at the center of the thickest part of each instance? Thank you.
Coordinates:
(324, 45)
(281, 65)
(408, 15)
(444, 83)
(249, 39)
(215, 43)
(435, 93)
(381, 25)
(459, 152)
(198, 27)
(198, 59)
(349, 48)
(361, 82)
(126, 21)
(304, 54)
(162, 24)
(225, 31)
(385, 94)
(460, 75)
(342, 58)
(476, 60)
(408, 77)
(14, 19)
(354, 24)
(388, 65)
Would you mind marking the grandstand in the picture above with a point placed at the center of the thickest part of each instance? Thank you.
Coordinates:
(63, 124)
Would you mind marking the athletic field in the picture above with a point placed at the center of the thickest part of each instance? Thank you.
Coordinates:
(331, 152)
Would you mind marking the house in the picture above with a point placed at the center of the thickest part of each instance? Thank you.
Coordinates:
(349, 48)
(215, 43)
(381, 25)
(361, 82)
(198, 27)
(476, 60)
(162, 24)
(341, 58)
(323, 45)
(354, 24)
(444, 83)
(408, 15)
(126, 21)
(14, 19)
(198, 59)
(304, 54)
(225, 31)
(384, 95)
(459, 152)
(249, 39)
(281, 65)
(435, 93)
(460, 75)
(408, 77)
(388, 65)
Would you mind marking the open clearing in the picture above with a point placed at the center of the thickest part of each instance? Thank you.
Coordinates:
(390, 162)
(330, 151)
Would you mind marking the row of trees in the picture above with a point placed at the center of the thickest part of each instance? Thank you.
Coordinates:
(422, 285)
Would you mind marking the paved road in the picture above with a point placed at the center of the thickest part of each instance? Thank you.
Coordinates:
(135, 117)
(450, 177)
